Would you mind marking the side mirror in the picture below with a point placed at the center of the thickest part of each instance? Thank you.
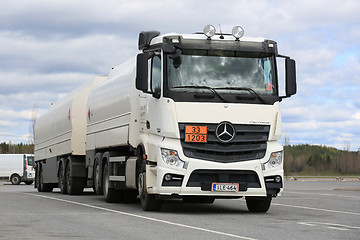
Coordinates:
(142, 72)
(290, 77)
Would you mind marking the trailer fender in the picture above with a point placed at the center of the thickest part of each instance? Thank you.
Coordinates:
(78, 168)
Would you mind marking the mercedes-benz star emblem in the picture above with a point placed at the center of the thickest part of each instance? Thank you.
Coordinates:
(225, 132)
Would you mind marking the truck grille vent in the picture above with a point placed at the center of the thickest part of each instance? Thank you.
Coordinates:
(249, 143)
(204, 178)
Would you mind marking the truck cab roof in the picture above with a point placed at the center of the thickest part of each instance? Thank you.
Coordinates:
(149, 40)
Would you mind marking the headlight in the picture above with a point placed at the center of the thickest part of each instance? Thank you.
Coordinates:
(274, 161)
(171, 157)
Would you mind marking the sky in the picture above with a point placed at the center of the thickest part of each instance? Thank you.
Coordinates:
(48, 48)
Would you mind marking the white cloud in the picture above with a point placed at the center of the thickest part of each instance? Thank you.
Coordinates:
(52, 47)
(11, 115)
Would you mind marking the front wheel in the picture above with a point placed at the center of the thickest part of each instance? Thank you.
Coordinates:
(148, 201)
(258, 204)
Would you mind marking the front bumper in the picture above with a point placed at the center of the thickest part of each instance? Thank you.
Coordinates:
(196, 179)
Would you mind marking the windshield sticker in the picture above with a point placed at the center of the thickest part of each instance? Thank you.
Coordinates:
(266, 66)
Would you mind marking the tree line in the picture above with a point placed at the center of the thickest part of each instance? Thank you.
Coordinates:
(320, 160)
(19, 148)
(298, 159)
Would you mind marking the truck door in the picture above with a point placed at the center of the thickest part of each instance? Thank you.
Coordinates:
(151, 115)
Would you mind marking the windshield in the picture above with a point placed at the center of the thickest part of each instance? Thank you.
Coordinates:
(224, 71)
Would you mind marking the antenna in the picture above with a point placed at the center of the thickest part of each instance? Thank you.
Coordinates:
(221, 35)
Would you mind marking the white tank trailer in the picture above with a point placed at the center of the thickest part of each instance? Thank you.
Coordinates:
(194, 117)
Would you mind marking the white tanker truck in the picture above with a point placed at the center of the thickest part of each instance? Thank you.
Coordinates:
(193, 116)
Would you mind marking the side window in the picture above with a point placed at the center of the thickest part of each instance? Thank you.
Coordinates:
(156, 75)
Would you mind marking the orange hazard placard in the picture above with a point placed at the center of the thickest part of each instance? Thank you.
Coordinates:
(196, 134)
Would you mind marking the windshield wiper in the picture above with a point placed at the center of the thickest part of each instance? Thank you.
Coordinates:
(205, 87)
(250, 90)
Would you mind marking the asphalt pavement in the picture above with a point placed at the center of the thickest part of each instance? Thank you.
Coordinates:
(307, 210)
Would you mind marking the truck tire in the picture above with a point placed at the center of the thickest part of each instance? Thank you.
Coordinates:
(148, 201)
(258, 204)
(37, 178)
(111, 195)
(62, 179)
(74, 185)
(45, 187)
(15, 179)
(98, 187)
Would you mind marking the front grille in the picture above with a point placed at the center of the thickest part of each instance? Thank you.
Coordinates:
(249, 143)
(205, 178)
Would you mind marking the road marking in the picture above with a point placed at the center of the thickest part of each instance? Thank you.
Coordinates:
(337, 228)
(144, 217)
(317, 209)
(333, 226)
(321, 194)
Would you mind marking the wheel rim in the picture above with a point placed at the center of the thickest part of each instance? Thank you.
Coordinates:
(15, 180)
(141, 184)
(106, 181)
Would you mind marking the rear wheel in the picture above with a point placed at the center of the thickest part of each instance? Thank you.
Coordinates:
(62, 179)
(15, 179)
(258, 204)
(37, 178)
(111, 195)
(45, 187)
(97, 178)
(74, 185)
(148, 201)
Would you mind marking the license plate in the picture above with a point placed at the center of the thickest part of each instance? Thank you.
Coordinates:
(196, 134)
(225, 187)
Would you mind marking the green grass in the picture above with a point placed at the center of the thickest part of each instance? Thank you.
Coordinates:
(324, 174)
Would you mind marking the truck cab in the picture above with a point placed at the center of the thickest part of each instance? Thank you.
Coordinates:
(209, 115)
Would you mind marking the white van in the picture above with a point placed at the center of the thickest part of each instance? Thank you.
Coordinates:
(17, 168)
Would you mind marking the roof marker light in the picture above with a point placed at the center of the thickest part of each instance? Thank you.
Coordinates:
(237, 32)
(209, 31)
